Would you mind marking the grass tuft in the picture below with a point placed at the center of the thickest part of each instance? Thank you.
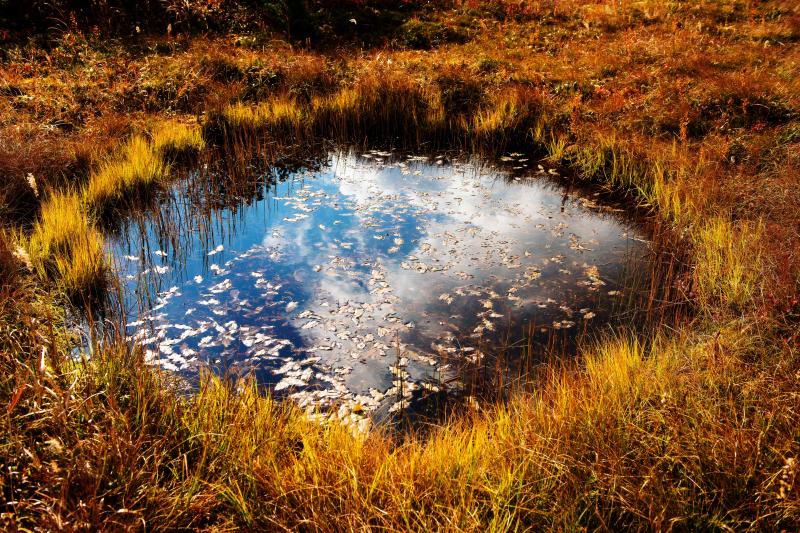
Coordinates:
(177, 141)
(511, 117)
(608, 161)
(65, 246)
(135, 169)
(728, 263)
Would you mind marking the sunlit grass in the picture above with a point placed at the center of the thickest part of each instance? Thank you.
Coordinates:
(276, 115)
(728, 262)
(85, 271)
(605, 159)
(64, 246)
(381, 106)
(175, 140)
(512, 115)
(389, 107)
(628, 422)
(134, 169)
(695, 430)
(556, 148)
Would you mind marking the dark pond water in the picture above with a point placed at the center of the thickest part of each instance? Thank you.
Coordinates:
(369, 282)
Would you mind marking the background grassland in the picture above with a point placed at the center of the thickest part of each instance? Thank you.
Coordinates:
(687, 108)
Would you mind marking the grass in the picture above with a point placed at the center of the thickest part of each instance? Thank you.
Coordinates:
(275, 115)
(727, 259)
(695, 429)
(608, 161)
(136, 169)
(512, 117)
(176, 141)
(65, 246)
(384, 107)
(230, 457)
(665, 195)
(389, 107)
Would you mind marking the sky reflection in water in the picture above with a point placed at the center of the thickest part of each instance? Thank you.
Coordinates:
(348, 285)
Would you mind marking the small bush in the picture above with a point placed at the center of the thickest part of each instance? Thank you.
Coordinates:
(739, 111)
(488, 65)
(461, 93)
(221, 68)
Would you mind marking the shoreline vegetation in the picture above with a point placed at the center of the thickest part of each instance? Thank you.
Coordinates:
(688, 110)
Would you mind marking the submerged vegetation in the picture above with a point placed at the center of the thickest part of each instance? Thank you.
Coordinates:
(686, 110)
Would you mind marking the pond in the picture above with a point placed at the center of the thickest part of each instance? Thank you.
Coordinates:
(374, 279)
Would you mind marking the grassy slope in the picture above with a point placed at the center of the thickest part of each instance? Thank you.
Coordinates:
(690, 106)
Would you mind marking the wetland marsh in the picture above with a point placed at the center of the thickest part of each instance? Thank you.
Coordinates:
(565, 296)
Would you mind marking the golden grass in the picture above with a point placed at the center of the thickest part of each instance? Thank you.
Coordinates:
(383, 107)
(629, 426)
(665, 195)
(65, 246)
(513, 115)
(173, 140)
(134, 169)
(279, 114)
(728, 259)
(606, 160)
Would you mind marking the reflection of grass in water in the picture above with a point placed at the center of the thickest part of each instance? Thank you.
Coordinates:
(644, 297)
(198, 215)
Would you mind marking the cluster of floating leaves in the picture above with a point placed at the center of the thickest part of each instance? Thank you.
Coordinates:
(367, 280)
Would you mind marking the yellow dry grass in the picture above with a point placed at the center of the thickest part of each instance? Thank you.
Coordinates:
(172, 139)
(65, 246)
(134, 169)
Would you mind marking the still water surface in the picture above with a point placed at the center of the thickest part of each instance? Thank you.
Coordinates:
(366, 283)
